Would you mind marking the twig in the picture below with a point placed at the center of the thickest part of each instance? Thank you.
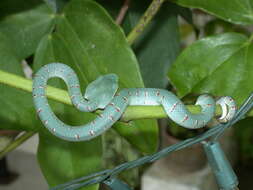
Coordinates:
(16, 143)
(122, 12)
(131, 113)
(144, 21)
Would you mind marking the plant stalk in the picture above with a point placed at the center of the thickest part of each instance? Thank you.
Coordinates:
(144, 21)
(16, 143)
(60, 95)
(122, 12)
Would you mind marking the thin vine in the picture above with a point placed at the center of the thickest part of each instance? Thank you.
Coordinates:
(144, 21)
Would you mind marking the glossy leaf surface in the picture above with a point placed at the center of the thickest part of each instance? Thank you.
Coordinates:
(220, 65)
(26, 25)
(235, 11)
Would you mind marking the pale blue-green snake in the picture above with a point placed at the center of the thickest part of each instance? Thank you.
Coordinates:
(99, 96)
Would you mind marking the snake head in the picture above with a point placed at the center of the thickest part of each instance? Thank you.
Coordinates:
(102, 90)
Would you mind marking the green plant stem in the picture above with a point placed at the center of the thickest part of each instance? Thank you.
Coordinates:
(131, 113)
(144, 21)
(22, 83)
(155, 112)
(16, 143)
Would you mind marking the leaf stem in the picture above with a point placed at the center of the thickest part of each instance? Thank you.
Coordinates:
(131, 113)
(144, 21)
(16, 143)
(122, 12)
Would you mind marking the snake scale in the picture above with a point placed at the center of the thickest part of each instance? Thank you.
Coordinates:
(112, 112)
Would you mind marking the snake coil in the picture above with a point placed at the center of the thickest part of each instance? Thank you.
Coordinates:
(112, 112)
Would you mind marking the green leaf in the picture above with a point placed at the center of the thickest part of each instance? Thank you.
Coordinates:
(90, 42)
(236, 11)
(61, 161)
(158, 46)
(27, 26)
(87, 40)
(16, 106)
(220, 65)
(143, 134)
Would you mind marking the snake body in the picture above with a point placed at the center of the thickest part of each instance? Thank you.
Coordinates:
(172, 105)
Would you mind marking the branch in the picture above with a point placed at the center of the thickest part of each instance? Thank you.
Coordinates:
(24, 84)
(131, 113)
(122, 12)
(144, 21)
(14, 144)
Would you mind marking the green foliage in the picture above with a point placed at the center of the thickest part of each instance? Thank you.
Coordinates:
(61, 161)
(235, 11)
(26, 27)
(161, 36)
(220, 65)
(13, 100)
(81, 33)
(85, 47)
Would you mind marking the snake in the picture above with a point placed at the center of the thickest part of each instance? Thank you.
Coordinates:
(112, 112)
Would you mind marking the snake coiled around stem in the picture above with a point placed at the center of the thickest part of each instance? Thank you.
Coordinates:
(112, 112)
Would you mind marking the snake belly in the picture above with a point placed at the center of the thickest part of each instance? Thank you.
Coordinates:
(172, 105)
